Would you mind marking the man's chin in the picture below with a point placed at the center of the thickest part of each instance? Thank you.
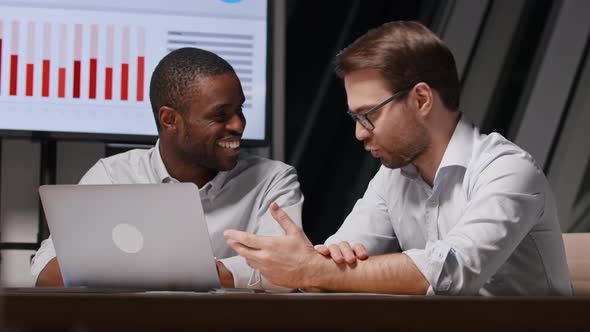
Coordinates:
(393, 164)
(227, 164)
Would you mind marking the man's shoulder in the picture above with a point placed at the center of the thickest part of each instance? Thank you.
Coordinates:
(252, 161)
(499, 160)
(129, 158)
(495, 150)
(259, 169)
(125, 167)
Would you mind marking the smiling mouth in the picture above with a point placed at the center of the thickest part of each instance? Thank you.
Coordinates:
(229, 144)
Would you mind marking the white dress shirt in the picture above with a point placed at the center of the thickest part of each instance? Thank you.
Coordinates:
(239, 199)
(488, 225)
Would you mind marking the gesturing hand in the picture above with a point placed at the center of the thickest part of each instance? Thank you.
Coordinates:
(343, 252)
(283, 260)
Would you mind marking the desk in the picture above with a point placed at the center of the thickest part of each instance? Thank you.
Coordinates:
(34, 309)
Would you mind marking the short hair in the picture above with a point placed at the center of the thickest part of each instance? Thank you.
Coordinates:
(174, 78)
(405, 53)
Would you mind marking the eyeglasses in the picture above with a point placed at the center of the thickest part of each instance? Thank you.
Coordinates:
(363, 118)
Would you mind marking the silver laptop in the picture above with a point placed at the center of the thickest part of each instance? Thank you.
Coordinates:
(137, 236)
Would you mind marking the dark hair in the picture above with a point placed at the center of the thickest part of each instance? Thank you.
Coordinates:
(406, 53)
(174, 78)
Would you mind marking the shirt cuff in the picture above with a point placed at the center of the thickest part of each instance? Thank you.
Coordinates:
(430, 261)
(247, 277)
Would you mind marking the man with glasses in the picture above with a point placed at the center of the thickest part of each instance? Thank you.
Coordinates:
(451, 211)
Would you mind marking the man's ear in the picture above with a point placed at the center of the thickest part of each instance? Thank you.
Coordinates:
(170, 119)
(424, 98)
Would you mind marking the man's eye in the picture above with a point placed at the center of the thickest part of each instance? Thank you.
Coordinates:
(220, 117)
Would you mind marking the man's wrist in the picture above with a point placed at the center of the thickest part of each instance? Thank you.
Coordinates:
(226, 278)
(314, 272)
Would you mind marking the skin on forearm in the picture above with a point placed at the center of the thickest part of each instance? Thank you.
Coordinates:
(391, 273)
(50, 276)
(226, 278)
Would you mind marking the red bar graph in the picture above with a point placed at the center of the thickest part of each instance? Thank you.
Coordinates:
(125, 64)
(108, 91)
(13, 73)
(108, 80)
(93, 62)
(45, 83)
(77, 73)
(0, 64)
(140, 63)
(140, 77)
(77, 59)
(47, 65)
(30, 75)
(30, 72)
(14, 59)
(124, 81)
(1, 36)
(92, 85)
(46, 59)
(61, 71)
(61, 89)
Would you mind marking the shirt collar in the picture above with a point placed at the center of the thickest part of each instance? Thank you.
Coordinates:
(210, 188)
(158, 166)
(457, 153)
(409, 171)
(214, 186)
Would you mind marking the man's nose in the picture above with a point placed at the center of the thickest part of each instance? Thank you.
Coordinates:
(361, 132)
(236, 124)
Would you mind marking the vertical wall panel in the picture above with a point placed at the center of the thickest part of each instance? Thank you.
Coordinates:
(485, 67)
(461, 30)
(571, 159)
(552, 83)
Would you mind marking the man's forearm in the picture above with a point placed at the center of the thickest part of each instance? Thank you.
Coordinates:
(50, 276)
(391, 273)
(226, 278)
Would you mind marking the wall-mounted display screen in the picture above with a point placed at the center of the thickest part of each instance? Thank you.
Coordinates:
(84, 67)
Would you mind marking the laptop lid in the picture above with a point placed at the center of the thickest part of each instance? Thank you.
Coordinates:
(132, 236)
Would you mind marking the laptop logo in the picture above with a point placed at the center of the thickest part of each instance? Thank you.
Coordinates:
(128, 238)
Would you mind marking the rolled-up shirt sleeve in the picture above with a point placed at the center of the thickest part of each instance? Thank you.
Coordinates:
(505, 203)
(369, 222)
(45, 253)
(284, 190)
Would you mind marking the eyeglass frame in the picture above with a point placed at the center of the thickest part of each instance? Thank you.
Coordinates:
(363, 118)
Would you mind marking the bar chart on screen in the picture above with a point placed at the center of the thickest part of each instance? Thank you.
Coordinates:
(69, 73)
(68, 66)
(33, 61)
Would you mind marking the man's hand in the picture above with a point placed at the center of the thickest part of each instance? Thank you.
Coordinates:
(343, 252)
(284, 260)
